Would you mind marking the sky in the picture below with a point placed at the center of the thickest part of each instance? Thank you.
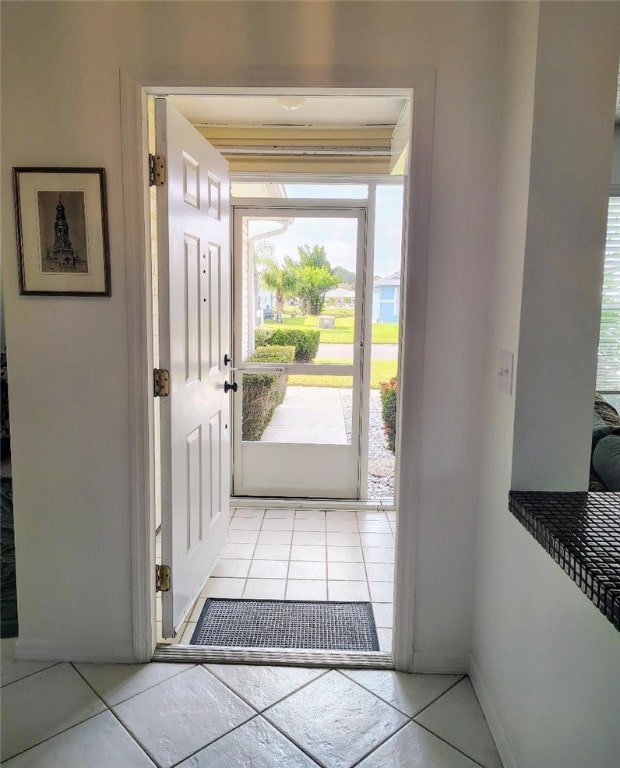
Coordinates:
(337, 234)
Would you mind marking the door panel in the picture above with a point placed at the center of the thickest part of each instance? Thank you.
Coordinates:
(193, 221)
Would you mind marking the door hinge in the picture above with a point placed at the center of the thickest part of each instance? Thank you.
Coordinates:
(162, 578)
(161, 382)
(157, 170)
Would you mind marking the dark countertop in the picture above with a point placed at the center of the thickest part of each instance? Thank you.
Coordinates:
(581, 531)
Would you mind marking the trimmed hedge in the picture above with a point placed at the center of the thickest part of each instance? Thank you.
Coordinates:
(263, 392)
(305, 341)
(388, 411)
(261, 334)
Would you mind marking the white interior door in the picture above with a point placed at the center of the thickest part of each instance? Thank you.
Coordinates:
(194, 286)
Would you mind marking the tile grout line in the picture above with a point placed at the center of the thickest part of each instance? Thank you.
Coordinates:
(30, 674)
(322, 673)
(457, 749)
(110, 709)
(211, 743)
(261, 712)
(387, 738)
(411, 719)
(380, 744)
(81, 722)
(49, 738)
(186, 667)
(454, 684)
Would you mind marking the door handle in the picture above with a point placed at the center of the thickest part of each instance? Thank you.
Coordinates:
(230, 387)
(227, 360)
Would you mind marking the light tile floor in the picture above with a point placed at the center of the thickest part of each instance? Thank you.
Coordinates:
(307, 555)
(232, 716)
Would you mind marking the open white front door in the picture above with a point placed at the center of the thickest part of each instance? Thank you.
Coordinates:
(194, 286)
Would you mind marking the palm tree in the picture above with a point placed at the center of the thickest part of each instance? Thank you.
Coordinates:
(315, 277)
(282, 280)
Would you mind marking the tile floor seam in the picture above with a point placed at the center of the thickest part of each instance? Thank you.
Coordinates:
(135, 739)
(445, 741)
(187, 666)
(356, 762)
(204, 746)
(301, 748)
(406, 714)
(232, 690)
(380, 744)
(30, 674)
(119, 721)
(211, 743)
(53, 736)
(273, 703)
(312, 757)
(443, 693)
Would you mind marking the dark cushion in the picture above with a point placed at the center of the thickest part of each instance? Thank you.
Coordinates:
(606, 461)
(600, 429)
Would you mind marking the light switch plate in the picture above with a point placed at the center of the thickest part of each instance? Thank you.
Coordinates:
(504, 372)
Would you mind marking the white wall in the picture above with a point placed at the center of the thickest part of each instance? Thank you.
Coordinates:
(68, 357)
(545, 657)
(615, 170)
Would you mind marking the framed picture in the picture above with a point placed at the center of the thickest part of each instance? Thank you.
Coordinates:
(62, 235)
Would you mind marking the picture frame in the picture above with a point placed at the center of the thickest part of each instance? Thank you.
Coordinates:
(62, 232)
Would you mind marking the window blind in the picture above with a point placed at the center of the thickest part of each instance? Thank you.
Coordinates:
(608, 372)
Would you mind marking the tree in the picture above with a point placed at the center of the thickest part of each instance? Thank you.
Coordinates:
(282, 280)
(314, 277)
(346, 279)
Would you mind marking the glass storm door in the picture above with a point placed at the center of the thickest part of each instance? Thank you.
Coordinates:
(298, 352)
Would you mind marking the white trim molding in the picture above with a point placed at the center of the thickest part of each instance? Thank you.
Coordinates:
(134, 88)
(88, 653)
(502, 743)
(428, 663)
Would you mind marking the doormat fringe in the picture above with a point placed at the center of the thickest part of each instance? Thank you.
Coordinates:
(287, 624)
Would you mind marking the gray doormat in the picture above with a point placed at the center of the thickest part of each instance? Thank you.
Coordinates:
(287, 624)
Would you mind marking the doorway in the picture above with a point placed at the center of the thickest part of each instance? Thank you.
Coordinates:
(309, 446)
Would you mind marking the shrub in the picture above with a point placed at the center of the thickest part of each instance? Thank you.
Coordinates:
(261, 334)
(305, 341)
(388, 411)
(263, 392)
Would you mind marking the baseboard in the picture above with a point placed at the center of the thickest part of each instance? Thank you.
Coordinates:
(440, 663)
(256, 502)
(95, 653)
(502, 743)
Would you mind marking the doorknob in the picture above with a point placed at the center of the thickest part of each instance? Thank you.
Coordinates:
(227, 360)
(228, 387)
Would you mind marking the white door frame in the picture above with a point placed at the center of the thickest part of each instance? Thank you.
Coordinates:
(354, 210)
(134, 89)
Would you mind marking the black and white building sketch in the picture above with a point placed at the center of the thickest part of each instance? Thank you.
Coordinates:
(63, 232)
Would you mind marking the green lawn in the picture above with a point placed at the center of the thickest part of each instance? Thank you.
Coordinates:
(380, 370)
(342, 333)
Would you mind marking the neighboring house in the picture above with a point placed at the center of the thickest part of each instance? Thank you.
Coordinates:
(340, 297)
(386, 299)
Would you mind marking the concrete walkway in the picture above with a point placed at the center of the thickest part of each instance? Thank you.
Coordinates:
(345, 352)
(308, 415)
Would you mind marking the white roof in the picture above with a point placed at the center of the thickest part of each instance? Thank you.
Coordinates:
(393, 279)
(340, 293)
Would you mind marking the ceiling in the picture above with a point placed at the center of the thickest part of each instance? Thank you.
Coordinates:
(325, 110)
